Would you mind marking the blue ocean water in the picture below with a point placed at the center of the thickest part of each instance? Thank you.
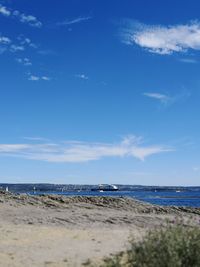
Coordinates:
(164, 198)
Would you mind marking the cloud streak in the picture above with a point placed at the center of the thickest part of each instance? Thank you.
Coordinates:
(77, 152)
(167, 100)
(73, 21)
(163, 40)
(188, 60)
(160, 97)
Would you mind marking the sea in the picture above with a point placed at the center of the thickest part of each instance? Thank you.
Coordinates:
(159, 195)
(164, 198)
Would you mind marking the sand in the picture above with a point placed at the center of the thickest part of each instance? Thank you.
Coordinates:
(67, 231)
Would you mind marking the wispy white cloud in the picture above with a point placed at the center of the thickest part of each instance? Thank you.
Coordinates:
(160, 97)
(188, 60)
(4, 11)
(15, 48)
(33, 78)
(24, 41)
(167, 99)
(82, 76)
(163, 40)
(11, 148)
(4, 40)
(24, 61)
(74, 151)
(28, 19)
(4, 44)
(38, 78)
(45, 78)
(73, 21)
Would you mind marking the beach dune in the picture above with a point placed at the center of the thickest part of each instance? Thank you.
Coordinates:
(53, 230)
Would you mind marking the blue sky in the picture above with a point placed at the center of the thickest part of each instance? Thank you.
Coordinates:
(100, 92)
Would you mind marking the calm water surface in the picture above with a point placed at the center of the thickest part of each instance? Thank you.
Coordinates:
(165, 198)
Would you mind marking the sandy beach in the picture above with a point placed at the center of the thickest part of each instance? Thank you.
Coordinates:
(67, 231)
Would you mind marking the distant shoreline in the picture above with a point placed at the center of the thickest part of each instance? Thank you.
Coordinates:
(24, 187)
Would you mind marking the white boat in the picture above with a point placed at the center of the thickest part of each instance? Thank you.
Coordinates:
(105, 187)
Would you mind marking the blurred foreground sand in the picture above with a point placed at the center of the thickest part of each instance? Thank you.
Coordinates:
(64, 231)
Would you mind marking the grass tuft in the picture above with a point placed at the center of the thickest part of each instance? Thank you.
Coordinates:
(176, 246)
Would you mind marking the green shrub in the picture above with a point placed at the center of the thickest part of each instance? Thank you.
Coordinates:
(172, 247)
